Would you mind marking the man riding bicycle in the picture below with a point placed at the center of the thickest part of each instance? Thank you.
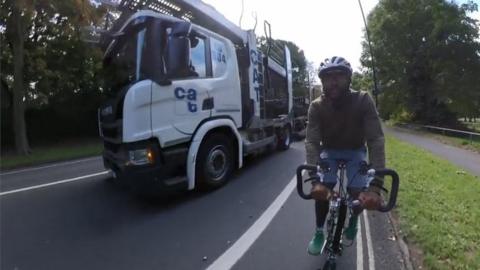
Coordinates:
(343, 124)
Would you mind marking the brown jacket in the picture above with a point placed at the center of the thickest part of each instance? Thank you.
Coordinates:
(350, 126)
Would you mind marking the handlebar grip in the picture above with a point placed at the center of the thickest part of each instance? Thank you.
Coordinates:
(300, 170)
(394, 190)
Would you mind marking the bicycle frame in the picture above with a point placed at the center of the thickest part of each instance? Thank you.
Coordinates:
(340, 202)
(337, 216)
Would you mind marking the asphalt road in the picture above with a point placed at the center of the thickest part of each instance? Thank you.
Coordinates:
(67, 216)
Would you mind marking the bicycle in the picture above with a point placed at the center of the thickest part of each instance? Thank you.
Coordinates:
(340, 202)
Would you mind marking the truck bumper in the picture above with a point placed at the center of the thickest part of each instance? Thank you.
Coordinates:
(165, 175)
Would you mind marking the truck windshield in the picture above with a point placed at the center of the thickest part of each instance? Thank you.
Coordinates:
(123, 63)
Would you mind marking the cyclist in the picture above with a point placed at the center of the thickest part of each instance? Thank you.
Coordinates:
(343, 124)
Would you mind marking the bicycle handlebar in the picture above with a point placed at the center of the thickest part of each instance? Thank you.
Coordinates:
(393, 191)
(300, 170)
(380, 172)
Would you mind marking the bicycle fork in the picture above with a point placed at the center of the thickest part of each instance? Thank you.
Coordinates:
(335, 224)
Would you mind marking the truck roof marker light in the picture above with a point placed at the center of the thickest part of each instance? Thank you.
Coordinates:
(170, 5)
(162, 10)
(187, 17)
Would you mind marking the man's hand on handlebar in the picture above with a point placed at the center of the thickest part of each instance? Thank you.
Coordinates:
(320, 192)
(370, 200)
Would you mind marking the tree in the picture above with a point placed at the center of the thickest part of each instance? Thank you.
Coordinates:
(361, 81)
(301, 68)
(427, 53)
(30, 27)
(16, 26)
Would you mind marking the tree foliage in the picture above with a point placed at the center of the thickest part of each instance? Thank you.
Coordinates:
(47, 68)
(301, 68)
(427, 54)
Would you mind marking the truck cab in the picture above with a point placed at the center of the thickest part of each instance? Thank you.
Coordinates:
(189, 103)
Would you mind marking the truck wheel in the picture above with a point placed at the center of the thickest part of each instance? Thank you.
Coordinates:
(215, 161)
(284, 139)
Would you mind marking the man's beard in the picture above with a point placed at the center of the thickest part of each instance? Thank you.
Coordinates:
(336, 94)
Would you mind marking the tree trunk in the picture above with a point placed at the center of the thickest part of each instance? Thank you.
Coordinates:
(19, 127)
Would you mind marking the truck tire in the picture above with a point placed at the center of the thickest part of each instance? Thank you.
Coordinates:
(284, 138)
(215, 161)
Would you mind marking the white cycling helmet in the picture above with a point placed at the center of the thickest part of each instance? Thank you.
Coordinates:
(334, 63)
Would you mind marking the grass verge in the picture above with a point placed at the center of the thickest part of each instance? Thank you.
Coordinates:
(52, 153)
(438, 206)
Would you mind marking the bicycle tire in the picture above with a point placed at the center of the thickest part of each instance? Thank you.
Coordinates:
(342, 214)
(330, 265)
(331, 229)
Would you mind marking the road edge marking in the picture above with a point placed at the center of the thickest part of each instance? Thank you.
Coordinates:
(371, 255)
(233, 254)
(53, 183)
(49, 166)
(359, 245)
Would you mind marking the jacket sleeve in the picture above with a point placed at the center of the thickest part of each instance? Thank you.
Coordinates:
(313, 136)
(374, 135)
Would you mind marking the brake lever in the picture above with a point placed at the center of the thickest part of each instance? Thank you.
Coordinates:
(311, 179)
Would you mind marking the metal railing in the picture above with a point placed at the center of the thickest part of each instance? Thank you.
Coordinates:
(466, 133)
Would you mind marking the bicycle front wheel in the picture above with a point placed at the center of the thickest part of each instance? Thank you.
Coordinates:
(330, 265)
(337, 237)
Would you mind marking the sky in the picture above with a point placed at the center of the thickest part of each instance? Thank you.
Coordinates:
(321, 28)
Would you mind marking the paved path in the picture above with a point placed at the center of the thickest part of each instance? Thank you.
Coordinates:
(468, 160)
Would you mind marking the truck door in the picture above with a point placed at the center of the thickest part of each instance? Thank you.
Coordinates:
(226, 90)
(192, 93)
(189, 101)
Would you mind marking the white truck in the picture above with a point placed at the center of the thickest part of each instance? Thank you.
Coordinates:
(192, 96)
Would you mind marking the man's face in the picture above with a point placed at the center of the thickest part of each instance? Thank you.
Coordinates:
(335, 84)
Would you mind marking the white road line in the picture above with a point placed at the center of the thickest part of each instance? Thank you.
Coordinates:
(49, 166)
(371, 256)
(359, 245)
(54, 183)
(228, 259)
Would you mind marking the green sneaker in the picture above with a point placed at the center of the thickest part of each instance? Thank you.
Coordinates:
(315, 246)
(351, 230)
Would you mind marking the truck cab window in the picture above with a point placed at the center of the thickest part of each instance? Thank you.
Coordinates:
(198, 64)
(219, 57)
(124, 65)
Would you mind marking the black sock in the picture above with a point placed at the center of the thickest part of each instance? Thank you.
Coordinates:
(321, 211)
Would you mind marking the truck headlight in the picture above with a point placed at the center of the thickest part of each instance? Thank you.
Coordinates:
(140, 157)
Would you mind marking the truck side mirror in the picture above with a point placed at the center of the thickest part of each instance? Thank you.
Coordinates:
(177, 54)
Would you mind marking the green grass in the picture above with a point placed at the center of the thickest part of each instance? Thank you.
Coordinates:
(439, 207)
(52, 153)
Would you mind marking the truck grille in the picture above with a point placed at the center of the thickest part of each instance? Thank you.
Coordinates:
(112, 147)
(112, 131)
